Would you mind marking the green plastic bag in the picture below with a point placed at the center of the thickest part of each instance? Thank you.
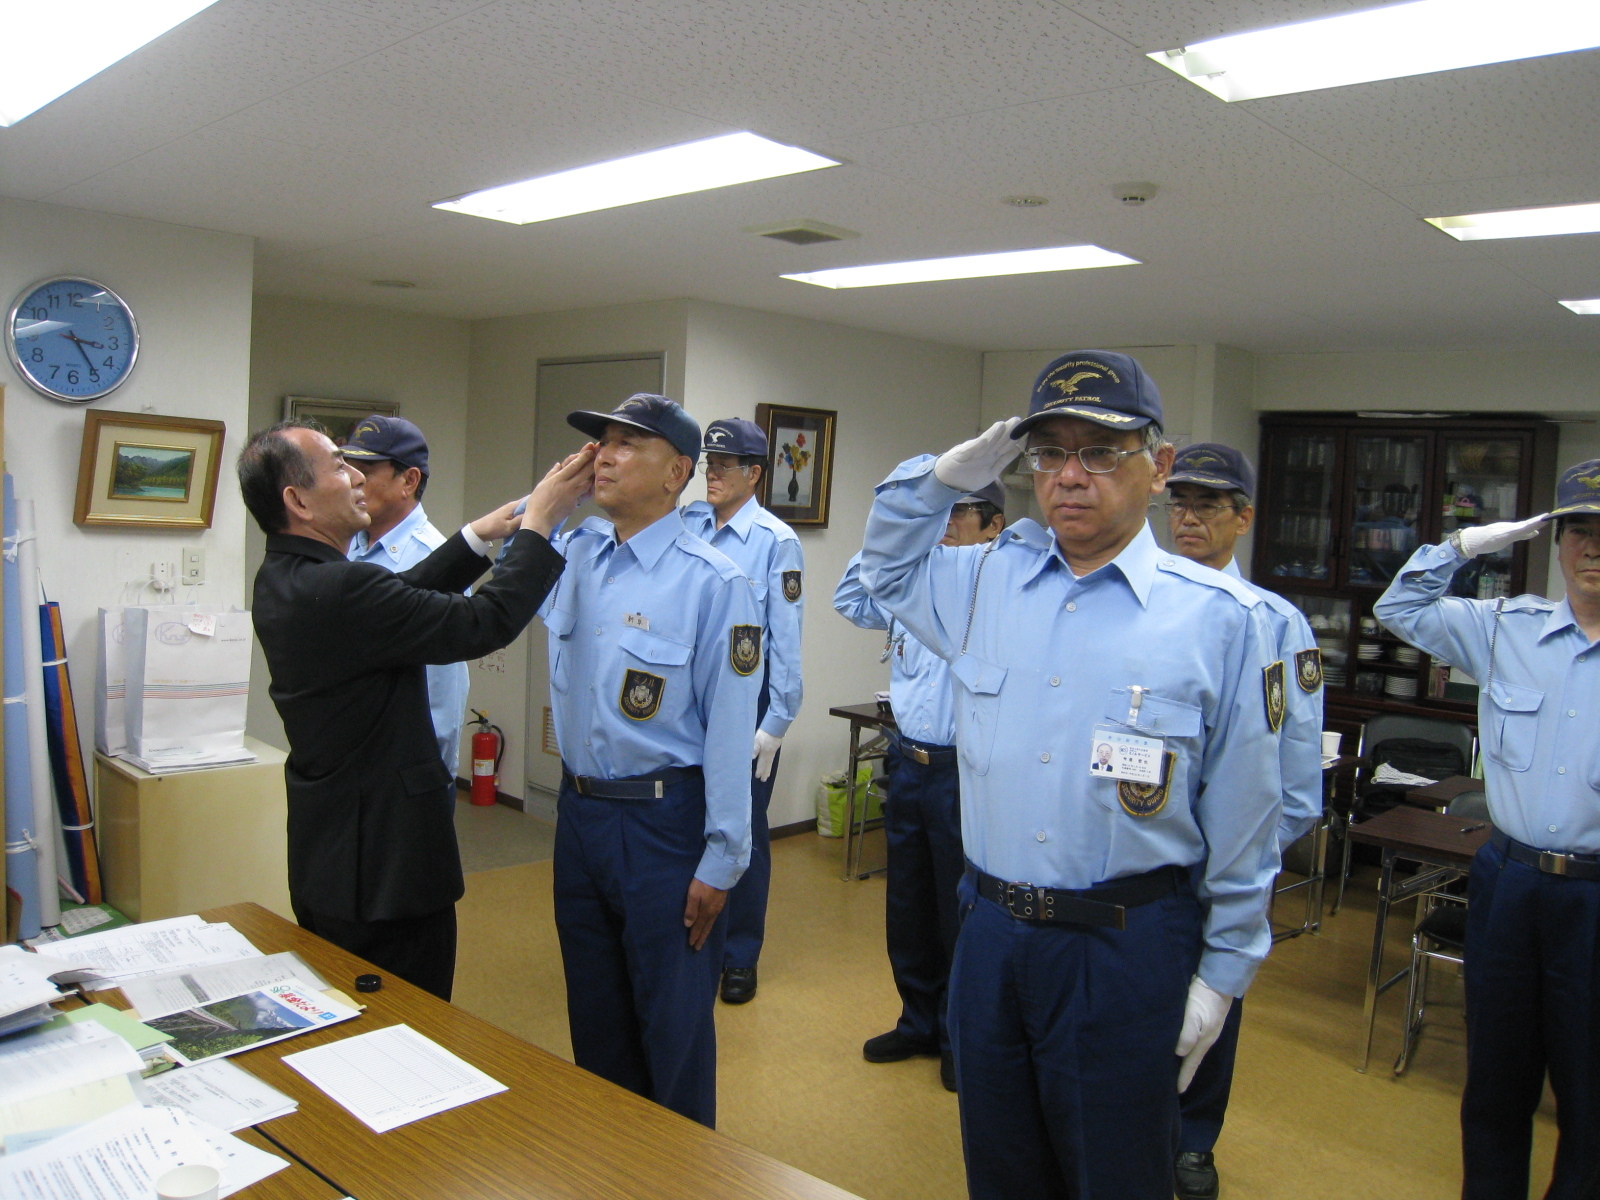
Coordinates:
(832, 797)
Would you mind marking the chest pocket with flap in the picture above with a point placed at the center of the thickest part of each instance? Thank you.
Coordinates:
(977, 709)
(1163, 717)
(667, 660)
(1512, 725)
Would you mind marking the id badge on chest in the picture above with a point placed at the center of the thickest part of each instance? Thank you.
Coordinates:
(1114, 754)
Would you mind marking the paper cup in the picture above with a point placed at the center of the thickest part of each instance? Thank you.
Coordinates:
(1330, 743)
(189, 1183)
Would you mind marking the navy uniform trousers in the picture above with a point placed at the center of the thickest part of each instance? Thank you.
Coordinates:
(1064, 1037)
(639, 999)
(922, 828)
(1533, 1005)
(747, 902)
(1205, 1104)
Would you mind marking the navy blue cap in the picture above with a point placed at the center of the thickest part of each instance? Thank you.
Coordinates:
(1213, 465)
(394, 438)
(992, 493)
(735, 435)
(1578, 490)
(1102, 386)
(649, 412)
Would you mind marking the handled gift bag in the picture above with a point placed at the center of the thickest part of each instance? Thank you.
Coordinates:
(188, 687)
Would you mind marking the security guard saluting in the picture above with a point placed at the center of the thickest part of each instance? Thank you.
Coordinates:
(1109, 916)
(732, 520)
(655, 660)
(922, 816)
(1209, 509)
(1533, 896)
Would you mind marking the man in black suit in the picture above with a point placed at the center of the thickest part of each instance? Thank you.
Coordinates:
(373, 864)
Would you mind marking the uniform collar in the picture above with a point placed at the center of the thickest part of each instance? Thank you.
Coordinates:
(1137, 561)
(1559, 618)
(1233, 569)
(651, 542)
(414, 521)
(743, 521)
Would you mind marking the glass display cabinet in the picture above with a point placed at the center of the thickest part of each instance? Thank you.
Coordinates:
(1345, 499)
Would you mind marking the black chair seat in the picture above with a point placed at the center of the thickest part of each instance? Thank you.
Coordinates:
(1446, 925)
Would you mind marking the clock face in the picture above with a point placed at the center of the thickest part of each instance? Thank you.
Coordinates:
(72, 339)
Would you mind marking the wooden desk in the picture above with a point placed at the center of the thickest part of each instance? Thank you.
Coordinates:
(1443, 843)
(860, 716)
(1437, 796)
(558, 1132)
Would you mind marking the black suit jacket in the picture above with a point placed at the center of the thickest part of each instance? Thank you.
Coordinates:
(371, 811)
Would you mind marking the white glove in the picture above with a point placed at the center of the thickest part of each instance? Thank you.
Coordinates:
(978, 463)
(765, 753)
(1203, 1015)
(1487, 539)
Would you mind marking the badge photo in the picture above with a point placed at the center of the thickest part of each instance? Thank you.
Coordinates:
(1308, 670)
(1147, 799)
(791, 586)
(641, 695)
(1272, 694)
(744, 648)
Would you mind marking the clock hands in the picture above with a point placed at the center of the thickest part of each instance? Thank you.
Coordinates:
(80, 343)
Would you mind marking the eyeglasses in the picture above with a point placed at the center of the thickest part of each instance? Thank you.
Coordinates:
(1206, 510)
(967, 506)
(719, 469)
(1097, 460)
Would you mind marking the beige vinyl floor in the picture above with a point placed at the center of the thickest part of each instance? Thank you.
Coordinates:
(792, 1083)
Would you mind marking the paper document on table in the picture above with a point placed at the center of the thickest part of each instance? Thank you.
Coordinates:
(44, 1061)
(268, 1014)
(121, 1155)
(159, 995)
(30, 1122)
(25, 979)
(393, 1076)
(1387, 774)
(158, 948)
(219, 1094)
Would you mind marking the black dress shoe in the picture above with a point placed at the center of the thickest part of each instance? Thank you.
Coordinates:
(738, 985)
(895, 1046)
(947, 1070)
(1196, 1175)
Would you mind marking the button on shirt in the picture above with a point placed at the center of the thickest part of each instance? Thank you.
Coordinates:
(402, 548)
(1541, 767)
(1131, 623)
(1300, 740)
(659, 609)
(919, 680)
(764, 548)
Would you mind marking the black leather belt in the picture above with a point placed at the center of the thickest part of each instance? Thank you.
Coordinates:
(635, 787)
(1105, 904)
(927, 755)
(1573, 866)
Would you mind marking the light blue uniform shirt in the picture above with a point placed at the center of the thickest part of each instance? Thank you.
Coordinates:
(766, 550)
(662, 605)
(1051, 657)
(1300, 741)
(1536, 715)
(919, 680)
(402, 548)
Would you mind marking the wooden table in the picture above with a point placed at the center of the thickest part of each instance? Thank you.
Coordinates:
(559, 1132)
(1443, 844)
(861, 716)
(1437, 796)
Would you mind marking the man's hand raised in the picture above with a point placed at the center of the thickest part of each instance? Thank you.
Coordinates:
(564, 486)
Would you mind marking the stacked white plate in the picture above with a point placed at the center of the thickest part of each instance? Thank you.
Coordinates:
(1369, 651)
(1402, 687)
(1408, 655)
(1333, 676)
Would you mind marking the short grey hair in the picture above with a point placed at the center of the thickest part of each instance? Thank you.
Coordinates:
(1152, 438)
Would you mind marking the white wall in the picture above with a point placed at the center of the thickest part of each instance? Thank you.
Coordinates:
(350, 352)
(190, 292)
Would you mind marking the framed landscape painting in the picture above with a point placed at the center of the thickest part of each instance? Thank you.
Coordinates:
(338, 417)
(142, 471)
(799, 482)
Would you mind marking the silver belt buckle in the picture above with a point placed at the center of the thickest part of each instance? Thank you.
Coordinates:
(1553, 864)
(1024, 908)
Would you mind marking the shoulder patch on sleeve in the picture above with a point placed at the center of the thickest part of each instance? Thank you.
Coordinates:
(1273, 696)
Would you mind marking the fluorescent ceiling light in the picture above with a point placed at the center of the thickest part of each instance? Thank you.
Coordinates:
(1521, 222)
(54, 48)
(967, 266)
(1584, 308)
(673, 171)
(1384, 43)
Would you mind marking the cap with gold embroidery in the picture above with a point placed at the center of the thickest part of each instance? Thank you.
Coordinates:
(1578, 490)
(649, 412)
(394, 438)
(1213, 465)
(1102, 386)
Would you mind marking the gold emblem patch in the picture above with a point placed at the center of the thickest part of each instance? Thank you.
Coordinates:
(641, 695)
(1147, 799)
(1308, 670)
(791, 586)
(1272, 693)
(744, 648)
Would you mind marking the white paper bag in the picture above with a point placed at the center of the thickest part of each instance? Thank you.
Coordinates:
(188, 686)
(110, 684)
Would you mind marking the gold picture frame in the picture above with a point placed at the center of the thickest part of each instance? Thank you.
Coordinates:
(801, 462)
(338, 417)
(140, 471)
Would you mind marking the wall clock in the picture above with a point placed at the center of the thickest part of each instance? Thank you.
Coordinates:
(71, 338)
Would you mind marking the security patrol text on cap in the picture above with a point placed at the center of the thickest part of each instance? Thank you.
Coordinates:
(735, 435)
(393, 438)
(1102, 386)
(649, 412)
(1213, 465)
(1578, 490)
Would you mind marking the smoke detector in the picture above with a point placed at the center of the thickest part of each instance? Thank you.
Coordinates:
(1025, 201)
(1133, 195)
(805, 232)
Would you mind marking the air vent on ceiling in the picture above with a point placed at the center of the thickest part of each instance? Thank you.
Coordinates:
(803, 232)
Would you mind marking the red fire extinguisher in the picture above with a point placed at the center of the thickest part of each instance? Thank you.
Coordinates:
(488, 748)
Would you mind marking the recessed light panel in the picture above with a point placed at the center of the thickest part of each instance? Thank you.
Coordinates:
(967, 266)
(1384, 43)
(1584, 308)
(672, 171)
(1521, 222)
(54, 48)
